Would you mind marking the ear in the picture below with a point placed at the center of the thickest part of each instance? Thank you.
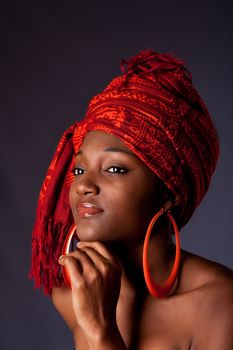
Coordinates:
(171, 203)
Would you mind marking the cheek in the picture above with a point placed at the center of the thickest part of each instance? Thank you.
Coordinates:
(142, 199)
(127, 212)
(130, 212)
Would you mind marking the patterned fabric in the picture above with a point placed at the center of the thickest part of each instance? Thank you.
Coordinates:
(155, 110)
(53, 217)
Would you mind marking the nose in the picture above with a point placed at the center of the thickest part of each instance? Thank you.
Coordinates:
(86, 185)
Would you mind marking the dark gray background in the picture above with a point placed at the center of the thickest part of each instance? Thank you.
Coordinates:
(55, 55)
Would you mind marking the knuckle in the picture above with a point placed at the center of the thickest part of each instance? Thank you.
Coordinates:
(116, 264)
(69, 260)
(93, 275)
(79, 284)
(105, 269)
(109, 269)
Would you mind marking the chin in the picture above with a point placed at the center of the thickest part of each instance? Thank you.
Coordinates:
(88, 232)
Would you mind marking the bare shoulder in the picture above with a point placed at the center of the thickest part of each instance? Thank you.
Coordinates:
(197, 271)
(209, 282)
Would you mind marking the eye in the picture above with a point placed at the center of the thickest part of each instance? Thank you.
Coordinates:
(117, 170)
(77, 171)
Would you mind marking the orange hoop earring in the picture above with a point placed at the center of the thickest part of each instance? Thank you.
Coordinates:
(158, 290)
(66, 250)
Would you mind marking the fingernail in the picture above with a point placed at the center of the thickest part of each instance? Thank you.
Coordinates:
(79, 243)
(61, 257)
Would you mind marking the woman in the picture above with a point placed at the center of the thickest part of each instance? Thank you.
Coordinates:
(127, 177)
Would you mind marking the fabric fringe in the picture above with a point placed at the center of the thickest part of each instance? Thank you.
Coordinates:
(47, 246)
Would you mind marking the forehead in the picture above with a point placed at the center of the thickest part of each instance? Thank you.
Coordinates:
(100, 140)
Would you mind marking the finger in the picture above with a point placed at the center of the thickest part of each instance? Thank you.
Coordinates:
(99, 247)
(84, 260)
(98, 259)
(72, 269)
(103, 265)
(63, 261)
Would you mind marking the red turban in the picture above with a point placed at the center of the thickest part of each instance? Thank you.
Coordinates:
(155, 110)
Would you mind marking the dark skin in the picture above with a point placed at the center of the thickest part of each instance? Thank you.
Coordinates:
(109, 306)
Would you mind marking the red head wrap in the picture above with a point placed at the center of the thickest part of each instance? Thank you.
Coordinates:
(155, 110)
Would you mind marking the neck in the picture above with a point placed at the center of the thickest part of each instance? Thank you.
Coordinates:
(161, 257)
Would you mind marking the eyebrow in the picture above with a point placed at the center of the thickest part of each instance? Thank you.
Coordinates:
(112, 149)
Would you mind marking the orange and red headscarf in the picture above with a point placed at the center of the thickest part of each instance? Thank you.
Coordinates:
(155, 110)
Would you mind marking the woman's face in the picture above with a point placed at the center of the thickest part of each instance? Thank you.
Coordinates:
(113, 195)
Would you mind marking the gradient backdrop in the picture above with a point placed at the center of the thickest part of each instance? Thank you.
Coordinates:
(55, 55)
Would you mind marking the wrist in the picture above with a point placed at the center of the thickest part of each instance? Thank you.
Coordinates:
(106, 339)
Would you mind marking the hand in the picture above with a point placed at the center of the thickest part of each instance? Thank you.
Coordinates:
(95, 276)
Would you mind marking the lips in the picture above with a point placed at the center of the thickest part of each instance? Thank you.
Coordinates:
(86, 210)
